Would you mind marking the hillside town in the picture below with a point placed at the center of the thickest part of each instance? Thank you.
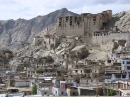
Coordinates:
(84, 57)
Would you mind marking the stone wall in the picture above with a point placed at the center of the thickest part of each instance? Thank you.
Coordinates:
(98, 39)
(110, 45)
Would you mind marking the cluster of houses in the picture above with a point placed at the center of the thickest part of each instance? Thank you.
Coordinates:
(71, 74)
(68, 69)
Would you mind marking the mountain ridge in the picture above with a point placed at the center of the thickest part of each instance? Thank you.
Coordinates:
(13, 32)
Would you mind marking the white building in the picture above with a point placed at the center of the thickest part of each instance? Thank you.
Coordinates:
(117, 74)
(125, 65)
(78, 71)
(125, 92)
(44, 91)
(59, 88)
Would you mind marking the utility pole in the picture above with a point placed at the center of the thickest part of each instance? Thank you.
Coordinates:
(97, 90)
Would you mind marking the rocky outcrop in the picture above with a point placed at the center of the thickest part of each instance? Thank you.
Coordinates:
(124, 21)
(121, 20)
(79, 52)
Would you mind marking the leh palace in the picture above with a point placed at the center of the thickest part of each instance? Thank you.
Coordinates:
(91, 28)
(88, 29)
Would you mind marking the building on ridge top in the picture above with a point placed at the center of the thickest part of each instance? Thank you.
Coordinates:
(85, 23)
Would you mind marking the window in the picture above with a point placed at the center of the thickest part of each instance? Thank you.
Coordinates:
(118, 76)
(59, 25)
(60, 18)
(66, 18)
(94, 34)
(81, 71)
(73, 93)
(128, 62)
(14, 91)
(123, 76)
(128, 67)
(123, 62)
(70, 23)
(94, 18)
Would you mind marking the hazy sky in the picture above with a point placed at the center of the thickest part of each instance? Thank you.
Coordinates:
(14, 9)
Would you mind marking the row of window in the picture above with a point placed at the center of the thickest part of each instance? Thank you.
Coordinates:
(72, 27)
(117, 76)
(100, 34)
(127, 62)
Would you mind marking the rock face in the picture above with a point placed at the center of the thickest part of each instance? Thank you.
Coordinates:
(124, 21)
(121, 20)
(79, 52)
(15, 33)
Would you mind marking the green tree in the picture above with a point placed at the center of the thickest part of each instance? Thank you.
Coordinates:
(39, 70)
(111, 93)
(34, 89)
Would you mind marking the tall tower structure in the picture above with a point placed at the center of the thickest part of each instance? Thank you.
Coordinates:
(49, 38)
(70, 26)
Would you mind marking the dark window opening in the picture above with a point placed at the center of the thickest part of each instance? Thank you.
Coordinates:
(93, 23)
(123, 76)
(128, 62)
(70, 18)
(70, 23)
(128, 67)
(66, 18)
(73, 93)
(59, 24)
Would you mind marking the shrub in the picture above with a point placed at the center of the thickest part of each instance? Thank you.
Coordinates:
(34, 89)
(111, 93)
(39, 70)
